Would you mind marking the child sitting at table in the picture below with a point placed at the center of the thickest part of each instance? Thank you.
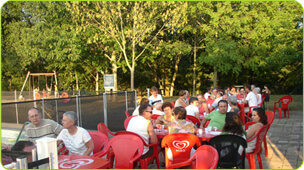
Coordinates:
(180, 125)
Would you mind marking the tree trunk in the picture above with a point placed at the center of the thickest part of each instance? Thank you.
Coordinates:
(215, 77)
(174, 75)
(132, 78)
(96, 81)
(77, 84)
(114, 69)
(194, 70)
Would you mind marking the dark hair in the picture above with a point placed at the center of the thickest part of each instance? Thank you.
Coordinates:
(143, 108)
(233, 124)
(167, 104)
(181, 112)
(192, 99)
(262, 115)
(208, 88)
(224, 101)
(182, 92)
(19, 146)
(154, 89)
(248, 86)
(144, 101)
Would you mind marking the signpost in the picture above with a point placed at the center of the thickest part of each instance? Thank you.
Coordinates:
(108, 80)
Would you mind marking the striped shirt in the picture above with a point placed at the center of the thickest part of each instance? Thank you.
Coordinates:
(47, 128)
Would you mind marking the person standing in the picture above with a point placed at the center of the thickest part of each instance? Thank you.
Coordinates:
(155, 97)
(267, 93)
(251, 98)
(39, 128)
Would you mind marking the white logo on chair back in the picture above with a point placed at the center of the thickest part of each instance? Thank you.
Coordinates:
(74, 164)
(285, 101)
(180, 145)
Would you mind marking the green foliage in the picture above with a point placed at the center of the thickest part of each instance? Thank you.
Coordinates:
(243, 41)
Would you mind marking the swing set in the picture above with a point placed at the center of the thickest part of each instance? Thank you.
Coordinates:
(31, 86)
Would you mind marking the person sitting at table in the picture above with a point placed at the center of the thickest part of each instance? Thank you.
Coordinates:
(257, 91)
(142, 101)
(202, 107)
(242, 94)
(180, 125)
(192, 109)
(227, 90)
(233, 125)
(167, 117)
(142, 126)
(180, 101)
(186, 99)
(213, 93)
(217, 117)
(232, 102)
(157, 110)
(155, 97)
(251, 98)
(76, 139)
(216, 101)
(233, 91)
(207, 94)
(260, 118)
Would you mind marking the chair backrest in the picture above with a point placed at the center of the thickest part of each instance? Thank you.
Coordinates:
(285, 100)
(102, 128)
(206, 157)
(127, 114)
(194, 120)
(130, 133)
(99, 140)
(127, 120)
(180, 145)
(259, 137)
(262, 101)
(154, 117)
(173, 104)
(270, 117)
(207, 123)
(227, 147)
(127, 149)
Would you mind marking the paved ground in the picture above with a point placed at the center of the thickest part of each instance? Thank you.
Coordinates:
(284, 138)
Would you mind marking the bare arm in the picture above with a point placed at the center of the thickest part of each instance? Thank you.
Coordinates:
(152, 134)
(253, 130)
(158, 121)
(90, 146)
(197, 115)
(203, 123)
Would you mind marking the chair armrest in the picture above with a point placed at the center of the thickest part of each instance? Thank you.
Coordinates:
(248, 124)
(100, 153)
(181, 164)
(111, 132)
(275, 103)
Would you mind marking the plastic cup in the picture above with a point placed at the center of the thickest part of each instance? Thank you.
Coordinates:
(200, 131)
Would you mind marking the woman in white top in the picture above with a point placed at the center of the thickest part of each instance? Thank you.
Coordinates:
(260, 118)
(76, 139)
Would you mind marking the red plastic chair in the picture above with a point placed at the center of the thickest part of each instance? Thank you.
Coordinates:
(207, 123)
(180, 145)
(102, 128)
(173, 104)
(260, 135)
(270, 118)
(127, 149)
(63, 150)
(194, 120)
(144, 162)
(127, 120)
(242, 112)
(99, 140)
(251, 108)
(127, 114)
(205, 157)
(154, 117)
(285, 100)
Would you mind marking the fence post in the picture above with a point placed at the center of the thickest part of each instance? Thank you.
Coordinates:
(135, 99)
(105, 109)
(79, 103)
(42, 102)
(56, 109)
(16, 107)
(126, 97)
(77, 110)
(148, 92)
(35, 104)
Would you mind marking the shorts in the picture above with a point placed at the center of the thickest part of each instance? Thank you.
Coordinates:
(147, 154)
(266, 99)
